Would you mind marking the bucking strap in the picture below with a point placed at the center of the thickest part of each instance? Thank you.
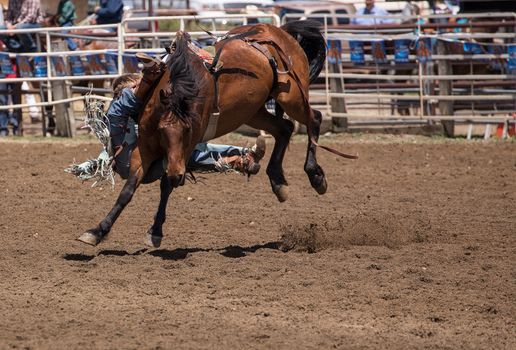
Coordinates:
(262, 39)
(272, 61)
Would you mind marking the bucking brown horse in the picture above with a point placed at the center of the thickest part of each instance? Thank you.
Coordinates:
(195, 101)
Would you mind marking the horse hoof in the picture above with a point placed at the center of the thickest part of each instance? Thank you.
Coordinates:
(321, 189)
(89, 238)
(281, 193)
(153, 241)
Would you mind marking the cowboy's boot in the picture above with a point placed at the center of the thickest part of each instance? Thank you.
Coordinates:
(153, 69)
(248, 162)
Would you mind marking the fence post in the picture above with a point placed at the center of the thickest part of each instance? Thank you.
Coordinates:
(121, 46)
(46, 112)
(337, 104)
(65, 121)
(444, 67)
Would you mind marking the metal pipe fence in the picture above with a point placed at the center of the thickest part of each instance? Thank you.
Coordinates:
(121, 36)
(376, 83)
(437, 91)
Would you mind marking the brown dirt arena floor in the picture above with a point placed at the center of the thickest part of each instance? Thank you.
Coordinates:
(413, 246)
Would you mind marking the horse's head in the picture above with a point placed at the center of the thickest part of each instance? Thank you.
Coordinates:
(177, 108)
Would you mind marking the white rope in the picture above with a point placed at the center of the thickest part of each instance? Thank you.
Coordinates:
(101, 168)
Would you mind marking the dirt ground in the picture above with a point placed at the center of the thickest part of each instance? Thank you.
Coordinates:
(413, 246)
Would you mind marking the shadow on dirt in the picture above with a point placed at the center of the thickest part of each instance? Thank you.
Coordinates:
(108, 252)
(233, 251)
(176, 254)
(78, 257)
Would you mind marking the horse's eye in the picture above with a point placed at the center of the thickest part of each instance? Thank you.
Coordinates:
(163, 96)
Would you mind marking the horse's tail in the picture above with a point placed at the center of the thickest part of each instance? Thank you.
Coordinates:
(308, 35)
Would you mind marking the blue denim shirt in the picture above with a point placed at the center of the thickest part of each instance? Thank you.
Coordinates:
(125, 106)
(122, 129)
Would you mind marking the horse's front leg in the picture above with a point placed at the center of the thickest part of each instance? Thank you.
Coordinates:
(155, 232)
(172, 178)
(97, 234)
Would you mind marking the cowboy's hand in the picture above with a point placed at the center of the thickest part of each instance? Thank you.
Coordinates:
(97, 9)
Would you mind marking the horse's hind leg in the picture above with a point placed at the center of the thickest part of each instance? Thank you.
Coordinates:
(97, 234)
(155, 232)
(281, 129)
(295, 108)
(312, 168)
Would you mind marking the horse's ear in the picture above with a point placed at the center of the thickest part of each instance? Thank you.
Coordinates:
(169, 49)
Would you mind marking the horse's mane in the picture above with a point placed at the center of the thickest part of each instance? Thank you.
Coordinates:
(185, 81)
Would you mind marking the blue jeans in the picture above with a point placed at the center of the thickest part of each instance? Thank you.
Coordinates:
(71, 44)
(22, 42)
(4, 114)
(5, 117)
(205, 155)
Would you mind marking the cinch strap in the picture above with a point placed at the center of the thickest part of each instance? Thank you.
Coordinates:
(211, 129)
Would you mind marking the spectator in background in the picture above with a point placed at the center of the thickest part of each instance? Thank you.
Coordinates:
(370, 10)
(3, 87)
(5, 116)
(109, 12)
(66, 15)
(22, 14)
